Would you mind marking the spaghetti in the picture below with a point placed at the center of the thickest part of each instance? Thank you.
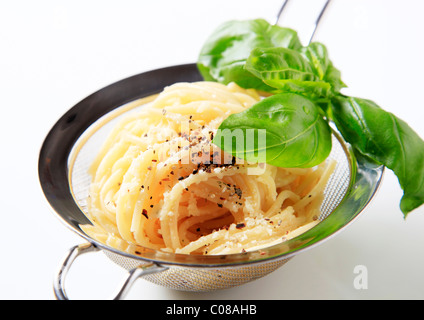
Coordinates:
(159, 182)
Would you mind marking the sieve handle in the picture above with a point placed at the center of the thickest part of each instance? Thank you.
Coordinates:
(75, 252)
(317, 22)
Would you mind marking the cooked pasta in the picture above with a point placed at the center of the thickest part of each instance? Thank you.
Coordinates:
(160, 183)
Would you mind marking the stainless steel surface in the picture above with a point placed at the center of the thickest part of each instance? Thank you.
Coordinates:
(207, 273)
(134, 273)
(71, 256)
(63, 165)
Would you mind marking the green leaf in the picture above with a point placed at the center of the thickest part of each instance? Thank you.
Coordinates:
(294, 134)
(225, 52)
(317, 55)
(287, 71)
(385, 139)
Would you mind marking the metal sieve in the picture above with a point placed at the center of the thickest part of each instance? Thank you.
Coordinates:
(73, 142)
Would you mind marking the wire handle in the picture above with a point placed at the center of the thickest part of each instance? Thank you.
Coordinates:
(280, 13)
(75, 252)
(317, 22)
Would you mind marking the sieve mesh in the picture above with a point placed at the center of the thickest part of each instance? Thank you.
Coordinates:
(201, 279)
(184, 278)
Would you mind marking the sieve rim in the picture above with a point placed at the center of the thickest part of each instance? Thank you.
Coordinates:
(365, 176)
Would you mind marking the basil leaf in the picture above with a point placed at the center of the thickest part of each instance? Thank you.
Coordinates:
(295, 133)
(387, 140)
(287, 71)
(225, 52)
(317, 55)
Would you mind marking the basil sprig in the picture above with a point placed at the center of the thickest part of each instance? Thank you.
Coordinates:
(305, 88)
(224, 54)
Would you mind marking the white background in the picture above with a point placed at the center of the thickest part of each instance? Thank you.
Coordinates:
(55, 53)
